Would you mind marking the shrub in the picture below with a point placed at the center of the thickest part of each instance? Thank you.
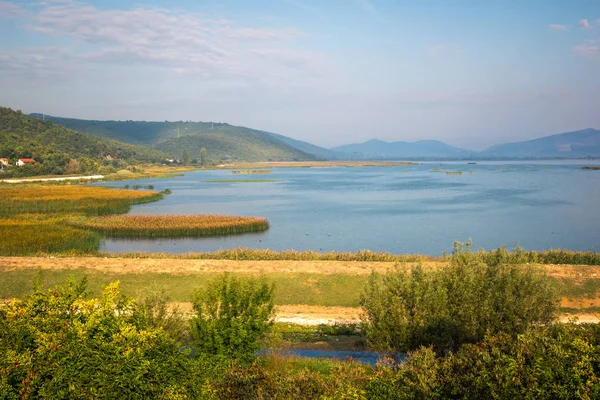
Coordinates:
(561, 362)
(446, 308)
(56, 344)
(231, 316)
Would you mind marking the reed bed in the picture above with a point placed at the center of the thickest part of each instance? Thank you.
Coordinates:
(38, 236)
(71, 199)
(453, 172)
(592, 167)
(499, 256)
(252, 171)
(170, 225)
(291, 255)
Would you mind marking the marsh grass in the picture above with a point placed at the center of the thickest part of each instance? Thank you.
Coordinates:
(252, 172)
(89, 200)
(33, 236)
(32, 217)
(170, 225)
(241, 180)
(498, 256)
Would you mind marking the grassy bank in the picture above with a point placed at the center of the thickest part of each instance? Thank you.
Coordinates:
(328, 290)
(501, 255)
(170, 225)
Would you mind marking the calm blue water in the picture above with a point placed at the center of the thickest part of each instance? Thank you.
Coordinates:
(540, 205)
(366, 357)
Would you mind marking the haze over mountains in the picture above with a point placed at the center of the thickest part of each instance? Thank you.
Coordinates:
(229, 142)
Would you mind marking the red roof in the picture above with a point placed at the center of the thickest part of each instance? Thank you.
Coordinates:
(27, 160)
(4, 159)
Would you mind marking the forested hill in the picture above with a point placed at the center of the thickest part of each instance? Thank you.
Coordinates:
(232, 143)
(222, 141)
(59, 150)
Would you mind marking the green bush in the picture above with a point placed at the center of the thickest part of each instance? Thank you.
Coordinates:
(460, 304)
(231, 316)
(561, 362)
(56, 344)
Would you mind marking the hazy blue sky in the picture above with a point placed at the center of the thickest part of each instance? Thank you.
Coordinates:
(471, 73)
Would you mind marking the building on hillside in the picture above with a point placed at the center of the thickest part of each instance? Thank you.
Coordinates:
(4, 162)
(25, 161)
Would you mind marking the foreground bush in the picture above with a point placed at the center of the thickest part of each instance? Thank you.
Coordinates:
(460, 304)
(561, 362)
(56, 344)
(232, 314)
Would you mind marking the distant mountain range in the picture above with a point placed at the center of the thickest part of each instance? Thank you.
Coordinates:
(583, 143)
(234, 143)
(377, 149)
(577, 144)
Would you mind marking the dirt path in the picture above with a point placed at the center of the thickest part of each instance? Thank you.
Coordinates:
(65, 178)
(188, 266)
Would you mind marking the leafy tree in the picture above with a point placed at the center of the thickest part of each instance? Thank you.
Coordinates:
(185, 157)
(203, 159)
(231, 316)
(446, 308)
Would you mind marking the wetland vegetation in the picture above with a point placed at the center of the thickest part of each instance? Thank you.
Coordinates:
(68, 219)
(170, 225)
(242, 180)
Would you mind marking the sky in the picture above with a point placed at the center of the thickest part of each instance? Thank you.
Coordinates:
(330, 72)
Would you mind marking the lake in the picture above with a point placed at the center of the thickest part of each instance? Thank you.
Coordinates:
(414, 209)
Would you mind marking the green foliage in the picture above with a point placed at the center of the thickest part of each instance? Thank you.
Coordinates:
(446, 308)
(231, 316)
(59, 150)
(56, 344)
(561, 362)
(185, 158)
(203, 156)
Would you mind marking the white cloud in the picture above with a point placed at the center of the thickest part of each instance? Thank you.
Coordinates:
(9, 9)
(559, 27)
(176, 41)
(584, 23)
(586, 50)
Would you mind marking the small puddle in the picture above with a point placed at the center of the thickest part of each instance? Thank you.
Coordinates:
(366, 357)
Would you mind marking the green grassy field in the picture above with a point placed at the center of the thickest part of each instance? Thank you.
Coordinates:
(310, 289)
(291, 288)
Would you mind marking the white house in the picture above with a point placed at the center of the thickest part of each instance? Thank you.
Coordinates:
(24, 161)
(4, 162)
